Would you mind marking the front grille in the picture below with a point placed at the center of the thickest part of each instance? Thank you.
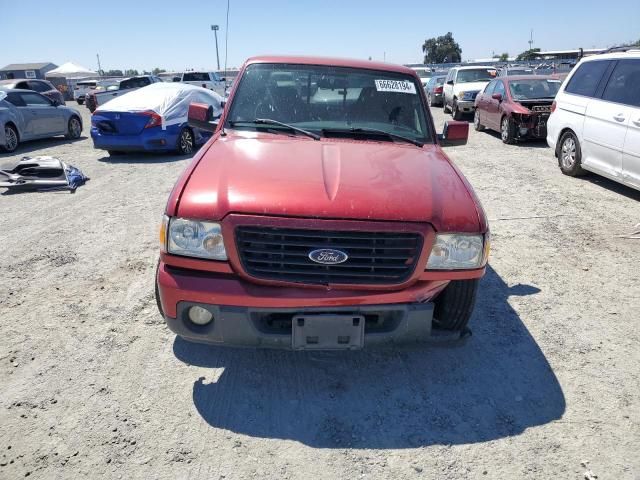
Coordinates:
(375, 258)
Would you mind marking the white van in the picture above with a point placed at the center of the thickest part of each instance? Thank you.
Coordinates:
(595, 119)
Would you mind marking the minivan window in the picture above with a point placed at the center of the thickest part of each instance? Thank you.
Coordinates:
(624, 84)
(586, 79)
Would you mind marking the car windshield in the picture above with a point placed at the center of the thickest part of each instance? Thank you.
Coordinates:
(328, 99)
(533, 88)
(476, 75)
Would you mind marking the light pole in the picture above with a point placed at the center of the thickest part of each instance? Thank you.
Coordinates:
(215, 29)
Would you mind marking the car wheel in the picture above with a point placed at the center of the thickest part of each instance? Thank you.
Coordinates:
(454, 306)
(185, 141)
(570, 155)
(74, 128)
(455, 111)
(507, 130)
(11, 138)
(476, 121)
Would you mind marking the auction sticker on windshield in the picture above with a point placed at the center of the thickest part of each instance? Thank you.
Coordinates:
(401, 86)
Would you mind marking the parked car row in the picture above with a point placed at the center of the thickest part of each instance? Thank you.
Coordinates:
(590, 116)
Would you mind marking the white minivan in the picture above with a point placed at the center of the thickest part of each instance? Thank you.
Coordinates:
(595, 119)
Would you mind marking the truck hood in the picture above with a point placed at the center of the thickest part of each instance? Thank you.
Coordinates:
(469, 87)
(268, 174)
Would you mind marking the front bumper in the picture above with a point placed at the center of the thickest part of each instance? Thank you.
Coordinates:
(242, 310)
(272, 328)
(466, 106)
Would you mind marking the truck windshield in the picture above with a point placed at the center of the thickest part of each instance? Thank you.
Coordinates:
(476, 75)
(330, 100)
(195, 77)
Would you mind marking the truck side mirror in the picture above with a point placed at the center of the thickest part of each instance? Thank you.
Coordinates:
(201, 116)
(454, 133)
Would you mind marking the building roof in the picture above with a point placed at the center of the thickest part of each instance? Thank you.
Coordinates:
(26, 66)
(337, 62)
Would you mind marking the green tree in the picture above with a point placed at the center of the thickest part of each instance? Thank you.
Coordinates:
(130, 72)
(157, 71)
(113, 73)
(504, 57)
(443, 49)
(528, 54)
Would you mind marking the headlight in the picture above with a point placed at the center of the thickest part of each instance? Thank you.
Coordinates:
(195, 238)
(461, 94)
(453, 251)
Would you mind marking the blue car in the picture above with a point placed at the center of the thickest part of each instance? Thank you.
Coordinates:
(153, 119)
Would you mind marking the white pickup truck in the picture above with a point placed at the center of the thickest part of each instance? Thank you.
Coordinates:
(96, 98)
(208, 80)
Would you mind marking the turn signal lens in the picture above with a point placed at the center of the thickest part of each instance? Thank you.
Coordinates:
(164, 225)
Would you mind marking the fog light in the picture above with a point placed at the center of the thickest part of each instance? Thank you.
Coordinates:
(200, 316)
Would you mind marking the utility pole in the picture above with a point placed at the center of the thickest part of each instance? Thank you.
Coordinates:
(99, 67)
(215, 29)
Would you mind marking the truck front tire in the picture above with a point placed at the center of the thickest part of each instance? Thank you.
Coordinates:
(454, 305)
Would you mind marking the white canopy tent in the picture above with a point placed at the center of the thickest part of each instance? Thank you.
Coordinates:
(71, 70)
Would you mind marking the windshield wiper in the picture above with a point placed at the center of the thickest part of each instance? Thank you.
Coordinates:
(269, 121)
(373, 131)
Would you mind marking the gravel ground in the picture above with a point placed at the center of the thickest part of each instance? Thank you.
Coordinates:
(94, 385)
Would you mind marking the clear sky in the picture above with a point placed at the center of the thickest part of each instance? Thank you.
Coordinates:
(176, 34)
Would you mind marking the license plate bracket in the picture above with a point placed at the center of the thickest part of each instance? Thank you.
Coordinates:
(327, 332)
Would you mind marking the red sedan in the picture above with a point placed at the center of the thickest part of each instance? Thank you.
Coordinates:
(518, 107)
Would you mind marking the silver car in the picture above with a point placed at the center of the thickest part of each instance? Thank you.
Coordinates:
(28, 115)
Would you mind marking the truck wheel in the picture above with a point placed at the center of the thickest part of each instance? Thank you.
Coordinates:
(11, 138)
(454, 305)
(570, 155)
(185, 141)
(507, 130)
(476, 121)
(455, 111)
(445, 107)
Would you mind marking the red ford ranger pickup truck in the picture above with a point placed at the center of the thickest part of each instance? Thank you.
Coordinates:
(322, 214)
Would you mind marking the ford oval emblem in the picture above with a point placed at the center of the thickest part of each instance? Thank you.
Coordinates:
(328, 256)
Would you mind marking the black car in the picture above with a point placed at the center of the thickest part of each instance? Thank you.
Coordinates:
(433, 89)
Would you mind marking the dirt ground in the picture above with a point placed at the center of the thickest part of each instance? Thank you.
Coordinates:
(95, 386)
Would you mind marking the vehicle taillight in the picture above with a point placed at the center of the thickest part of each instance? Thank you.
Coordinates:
(437, 90)
(154, 119)
(553, 106)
